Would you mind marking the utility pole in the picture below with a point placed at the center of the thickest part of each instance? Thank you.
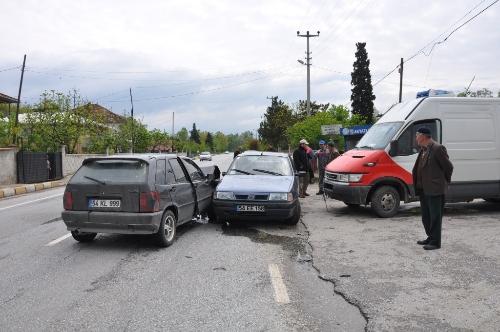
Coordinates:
(401, 80)
(14, 137)
(308, 64)
(132, 116)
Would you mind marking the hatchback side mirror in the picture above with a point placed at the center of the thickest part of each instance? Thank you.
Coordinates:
(394, 147)
(224, 173)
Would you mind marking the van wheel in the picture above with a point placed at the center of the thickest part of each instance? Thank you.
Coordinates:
(295, 218)
(83, 237)
(385, 201)
(166, 233)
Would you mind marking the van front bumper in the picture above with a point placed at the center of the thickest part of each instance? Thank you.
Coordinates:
(347, 194)
(112, 222)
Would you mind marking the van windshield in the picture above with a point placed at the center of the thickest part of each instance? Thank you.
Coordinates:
(379, 135)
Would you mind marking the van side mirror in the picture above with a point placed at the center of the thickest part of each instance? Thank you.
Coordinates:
(300, 174)
(394, 147)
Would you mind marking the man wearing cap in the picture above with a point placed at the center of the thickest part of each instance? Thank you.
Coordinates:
(431, 176)
(302, 164)
(322, 157)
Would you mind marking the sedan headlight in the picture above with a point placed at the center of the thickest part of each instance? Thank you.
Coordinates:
(224, 195)
(281, 197)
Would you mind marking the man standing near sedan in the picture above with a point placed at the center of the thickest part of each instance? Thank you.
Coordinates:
(302, 164)
(431, 176)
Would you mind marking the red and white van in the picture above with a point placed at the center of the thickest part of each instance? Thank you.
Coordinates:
(378, 170)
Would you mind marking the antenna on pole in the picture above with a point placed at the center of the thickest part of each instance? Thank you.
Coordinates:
(132, 116)
(467, 90)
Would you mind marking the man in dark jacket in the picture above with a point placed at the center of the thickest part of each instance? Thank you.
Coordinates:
(302, 164)
(431, 176)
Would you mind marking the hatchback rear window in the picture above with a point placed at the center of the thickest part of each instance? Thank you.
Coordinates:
(112, 171)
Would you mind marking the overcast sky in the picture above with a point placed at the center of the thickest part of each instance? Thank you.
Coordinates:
(215, 62)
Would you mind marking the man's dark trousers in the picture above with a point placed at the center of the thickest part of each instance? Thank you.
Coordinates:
(432, 207)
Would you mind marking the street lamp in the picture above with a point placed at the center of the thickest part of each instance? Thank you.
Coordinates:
(301, 62)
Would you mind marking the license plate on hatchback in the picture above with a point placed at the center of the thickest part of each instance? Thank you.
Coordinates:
(250, 208)
(104, 203)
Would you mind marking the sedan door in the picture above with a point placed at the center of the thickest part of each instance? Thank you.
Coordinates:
(182, 193)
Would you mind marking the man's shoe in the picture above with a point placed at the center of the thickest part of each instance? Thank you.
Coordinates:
(306, 194)
(431, 247)
(302, 196)
(422, 242)
(319, 193)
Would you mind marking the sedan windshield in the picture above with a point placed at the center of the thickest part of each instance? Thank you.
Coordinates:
(379, 135)
(264, 165)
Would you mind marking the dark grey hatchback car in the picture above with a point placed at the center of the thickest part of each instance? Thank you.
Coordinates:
(137, 194)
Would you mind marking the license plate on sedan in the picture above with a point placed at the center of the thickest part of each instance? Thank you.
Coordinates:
(250, 208)
(104, 203)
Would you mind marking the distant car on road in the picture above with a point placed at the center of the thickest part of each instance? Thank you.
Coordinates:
(226, 152)
(259, 186)
(137, 194)
(205, 156)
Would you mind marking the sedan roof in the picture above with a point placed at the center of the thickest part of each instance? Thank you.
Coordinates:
(263, 153)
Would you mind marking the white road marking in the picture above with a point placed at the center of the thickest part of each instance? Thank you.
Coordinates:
(280, 292)
(33, 201)
(56, 241)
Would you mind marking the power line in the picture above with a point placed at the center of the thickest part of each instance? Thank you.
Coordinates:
(11, 68)
(421, 51)
(196, 92)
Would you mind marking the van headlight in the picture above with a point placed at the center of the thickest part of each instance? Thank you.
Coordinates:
(355, 177)
(281, 197)
(349, 177)
(224, 195)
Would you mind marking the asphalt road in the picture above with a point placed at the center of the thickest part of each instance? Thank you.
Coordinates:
(256, 277)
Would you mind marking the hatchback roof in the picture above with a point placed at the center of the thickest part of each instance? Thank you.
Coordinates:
(143, 156)
(263, 153)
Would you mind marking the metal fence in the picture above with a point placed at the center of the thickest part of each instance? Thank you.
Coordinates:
(33, 167)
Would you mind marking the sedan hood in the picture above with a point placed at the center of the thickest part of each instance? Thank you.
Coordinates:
(256, 183)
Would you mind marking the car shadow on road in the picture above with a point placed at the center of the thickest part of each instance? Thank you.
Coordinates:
(126, 242)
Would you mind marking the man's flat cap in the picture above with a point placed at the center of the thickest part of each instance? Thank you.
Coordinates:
(424, 131)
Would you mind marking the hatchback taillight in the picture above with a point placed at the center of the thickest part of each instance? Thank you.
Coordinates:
(68, 200)
(149, 202)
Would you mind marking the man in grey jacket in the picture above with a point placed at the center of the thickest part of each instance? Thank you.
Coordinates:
(431, 176)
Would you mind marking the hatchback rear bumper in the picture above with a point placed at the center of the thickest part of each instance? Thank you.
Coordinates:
(112, 222)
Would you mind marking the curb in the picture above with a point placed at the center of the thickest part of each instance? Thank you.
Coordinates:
(29, 188)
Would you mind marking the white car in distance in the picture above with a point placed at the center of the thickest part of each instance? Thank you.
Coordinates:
(205, 156)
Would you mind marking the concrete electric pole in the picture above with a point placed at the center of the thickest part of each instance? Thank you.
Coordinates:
(308, 64)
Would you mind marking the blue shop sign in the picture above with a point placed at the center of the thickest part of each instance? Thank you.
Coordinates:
(355, 130)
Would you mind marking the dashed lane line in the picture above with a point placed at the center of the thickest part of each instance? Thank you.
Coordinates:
(56, 241)
(280, 292)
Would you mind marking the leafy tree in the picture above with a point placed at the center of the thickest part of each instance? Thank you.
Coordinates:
(209, 141)
(220, 142)
(300, 109)
(483, 93)
(54, 122)
(158, 138)
(195, 134)
(182, 139)
(277, 119)
(362, 92)
(123, 137)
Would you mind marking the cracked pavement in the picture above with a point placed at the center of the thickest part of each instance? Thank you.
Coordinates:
(376, 265)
